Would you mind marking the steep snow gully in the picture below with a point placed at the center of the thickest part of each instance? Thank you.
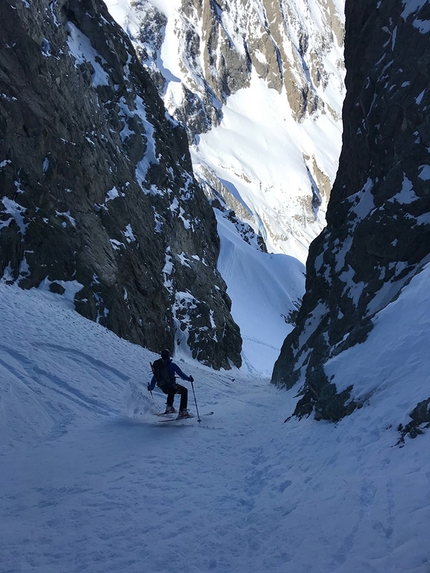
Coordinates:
(92, 482)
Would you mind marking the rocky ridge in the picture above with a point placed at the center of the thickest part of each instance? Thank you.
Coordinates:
(378, 224)
(223, 43)
(97, 195)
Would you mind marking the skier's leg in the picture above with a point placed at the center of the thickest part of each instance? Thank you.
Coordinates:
(170, 397)
(184, 396)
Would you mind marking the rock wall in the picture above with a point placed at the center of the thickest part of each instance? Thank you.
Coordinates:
(378, 223)
(97, 194)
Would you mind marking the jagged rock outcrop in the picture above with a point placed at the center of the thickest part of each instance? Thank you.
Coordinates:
(378, 223)
(420, 421)
(97, 194)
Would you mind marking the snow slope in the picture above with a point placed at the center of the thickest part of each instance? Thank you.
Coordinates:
(258, 152)
(92, 482)
(264, 289)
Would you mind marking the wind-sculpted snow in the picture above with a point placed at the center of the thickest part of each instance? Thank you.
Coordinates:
(92, 482)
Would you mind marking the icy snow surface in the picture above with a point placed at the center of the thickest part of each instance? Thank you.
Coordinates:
(92, 482)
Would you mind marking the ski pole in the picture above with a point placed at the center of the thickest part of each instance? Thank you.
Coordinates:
(198, 415)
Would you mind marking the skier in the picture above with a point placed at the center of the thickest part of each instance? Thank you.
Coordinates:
(164, 376)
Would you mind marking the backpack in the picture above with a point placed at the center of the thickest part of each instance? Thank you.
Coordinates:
(161, 371)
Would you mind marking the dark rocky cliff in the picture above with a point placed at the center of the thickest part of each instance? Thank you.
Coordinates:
(97, 194)
(378, 222)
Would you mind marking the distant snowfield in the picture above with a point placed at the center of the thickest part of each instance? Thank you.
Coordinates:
(92, 482)
(259, 152)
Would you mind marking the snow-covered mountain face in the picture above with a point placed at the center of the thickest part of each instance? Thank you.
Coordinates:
(259, 87)
(378, 225)
(97, 196)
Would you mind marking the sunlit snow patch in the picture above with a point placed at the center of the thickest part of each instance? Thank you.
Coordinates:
(81, 49)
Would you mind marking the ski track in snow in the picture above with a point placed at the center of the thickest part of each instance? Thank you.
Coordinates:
(91, 482)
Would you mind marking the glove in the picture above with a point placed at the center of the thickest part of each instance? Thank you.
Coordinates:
(191, 379)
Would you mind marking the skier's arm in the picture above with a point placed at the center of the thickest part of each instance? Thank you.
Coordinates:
(179, 372)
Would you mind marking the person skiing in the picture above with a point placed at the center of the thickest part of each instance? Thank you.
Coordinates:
(164, 376)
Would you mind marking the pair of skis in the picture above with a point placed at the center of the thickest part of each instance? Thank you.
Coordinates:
(179, 419)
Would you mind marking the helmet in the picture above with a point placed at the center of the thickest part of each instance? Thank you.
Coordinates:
(165, 354)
